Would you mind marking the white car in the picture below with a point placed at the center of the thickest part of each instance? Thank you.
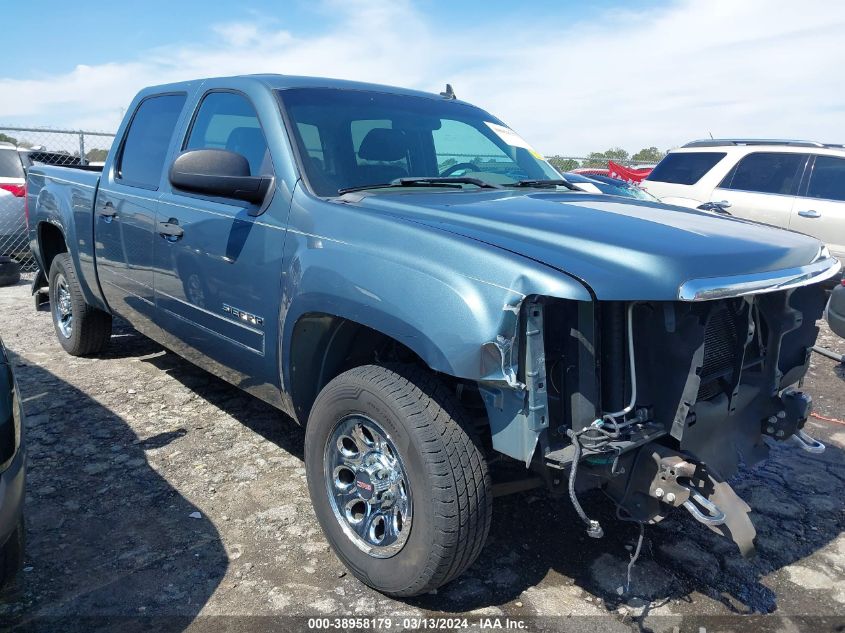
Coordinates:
(12, 181)
(797, 185)
(14, 161)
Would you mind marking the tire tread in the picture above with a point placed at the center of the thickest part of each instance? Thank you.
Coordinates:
(453, 455)
(92, 327)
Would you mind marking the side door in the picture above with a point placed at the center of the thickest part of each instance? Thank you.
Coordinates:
(217, 284)
(819, 209)
(762, 186)
(125, 209)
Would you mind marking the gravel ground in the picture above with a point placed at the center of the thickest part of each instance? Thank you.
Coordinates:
(159, 497)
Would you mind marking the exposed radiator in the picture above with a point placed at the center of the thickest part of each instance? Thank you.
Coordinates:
(720, 345)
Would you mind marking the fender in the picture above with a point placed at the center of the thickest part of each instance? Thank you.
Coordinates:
(453, 301)
(49, 207)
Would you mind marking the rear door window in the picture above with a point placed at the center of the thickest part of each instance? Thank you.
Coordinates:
(148, 138)
(685, 168)
(767, 172)
(827, 181)
(10, 164)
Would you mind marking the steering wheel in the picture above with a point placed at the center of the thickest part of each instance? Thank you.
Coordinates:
(451, 170)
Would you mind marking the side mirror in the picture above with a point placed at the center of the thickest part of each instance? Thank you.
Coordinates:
(218, 172)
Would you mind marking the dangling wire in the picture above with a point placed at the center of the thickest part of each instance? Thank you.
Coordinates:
(634, 557)
(630, 518)
(594, 529)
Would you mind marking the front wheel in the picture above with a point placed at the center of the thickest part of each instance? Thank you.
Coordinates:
(398, 481)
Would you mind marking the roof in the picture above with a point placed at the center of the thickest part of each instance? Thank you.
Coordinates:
(281, 82)
(746, 146)
(722, 142)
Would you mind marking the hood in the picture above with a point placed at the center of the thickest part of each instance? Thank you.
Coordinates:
(623, 249)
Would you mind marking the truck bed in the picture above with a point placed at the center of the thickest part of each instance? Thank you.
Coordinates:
(86, 176)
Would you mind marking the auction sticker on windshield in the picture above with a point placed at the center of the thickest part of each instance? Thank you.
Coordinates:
(512, 138)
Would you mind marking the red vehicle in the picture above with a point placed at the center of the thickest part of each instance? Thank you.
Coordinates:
(629, 174)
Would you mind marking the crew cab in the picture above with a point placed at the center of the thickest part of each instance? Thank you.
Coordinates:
(311, 242)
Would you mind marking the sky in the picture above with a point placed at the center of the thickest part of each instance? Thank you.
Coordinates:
(571, 77)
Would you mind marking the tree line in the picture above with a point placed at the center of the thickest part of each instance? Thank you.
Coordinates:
(599, 159)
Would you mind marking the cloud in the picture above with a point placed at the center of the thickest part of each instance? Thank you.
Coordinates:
(660, 76)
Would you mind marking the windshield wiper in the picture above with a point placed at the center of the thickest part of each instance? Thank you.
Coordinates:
(551, 182)
(452, 182)
(414, 181)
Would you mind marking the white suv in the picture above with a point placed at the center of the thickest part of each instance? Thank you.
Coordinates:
(796, 185)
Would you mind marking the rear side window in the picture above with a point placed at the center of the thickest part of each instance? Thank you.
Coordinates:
(227, 120)
(767, 172)
(10, 164)
(145, 147)
(828, 179)
(685, 168)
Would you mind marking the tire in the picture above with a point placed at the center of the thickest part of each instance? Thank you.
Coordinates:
(88, 330)
(11, 554)
(442, 474)
(10, 271)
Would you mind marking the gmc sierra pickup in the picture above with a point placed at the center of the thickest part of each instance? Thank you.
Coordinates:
(407, 277)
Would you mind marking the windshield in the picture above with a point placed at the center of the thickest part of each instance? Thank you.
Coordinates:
(354, 138)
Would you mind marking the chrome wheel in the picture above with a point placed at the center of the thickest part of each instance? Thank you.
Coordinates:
(367, 486)
(63, 310)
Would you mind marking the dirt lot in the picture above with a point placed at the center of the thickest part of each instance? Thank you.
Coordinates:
(161, 498)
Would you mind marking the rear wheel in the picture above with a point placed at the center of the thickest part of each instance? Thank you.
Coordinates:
(81, 329)
(398, 480)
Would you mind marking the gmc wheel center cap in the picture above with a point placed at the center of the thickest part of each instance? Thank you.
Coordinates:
(364, 484)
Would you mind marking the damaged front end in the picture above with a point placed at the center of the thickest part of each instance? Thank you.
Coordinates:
(658, 403)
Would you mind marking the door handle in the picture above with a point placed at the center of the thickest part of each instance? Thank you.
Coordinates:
(170, 230)
(108, 211)
(810, 213)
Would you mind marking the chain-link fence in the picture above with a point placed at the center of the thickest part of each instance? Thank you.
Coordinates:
(21, 148)
(572, 163)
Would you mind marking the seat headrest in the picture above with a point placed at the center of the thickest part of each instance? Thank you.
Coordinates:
(244, 137)
(249, 142)
(384, 144)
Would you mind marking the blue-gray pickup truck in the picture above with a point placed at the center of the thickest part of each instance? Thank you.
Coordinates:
(448, 317)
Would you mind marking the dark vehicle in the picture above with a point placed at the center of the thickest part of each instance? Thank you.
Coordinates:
(12, 474)
(404, 275)
(835, 312)
(608, 185)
